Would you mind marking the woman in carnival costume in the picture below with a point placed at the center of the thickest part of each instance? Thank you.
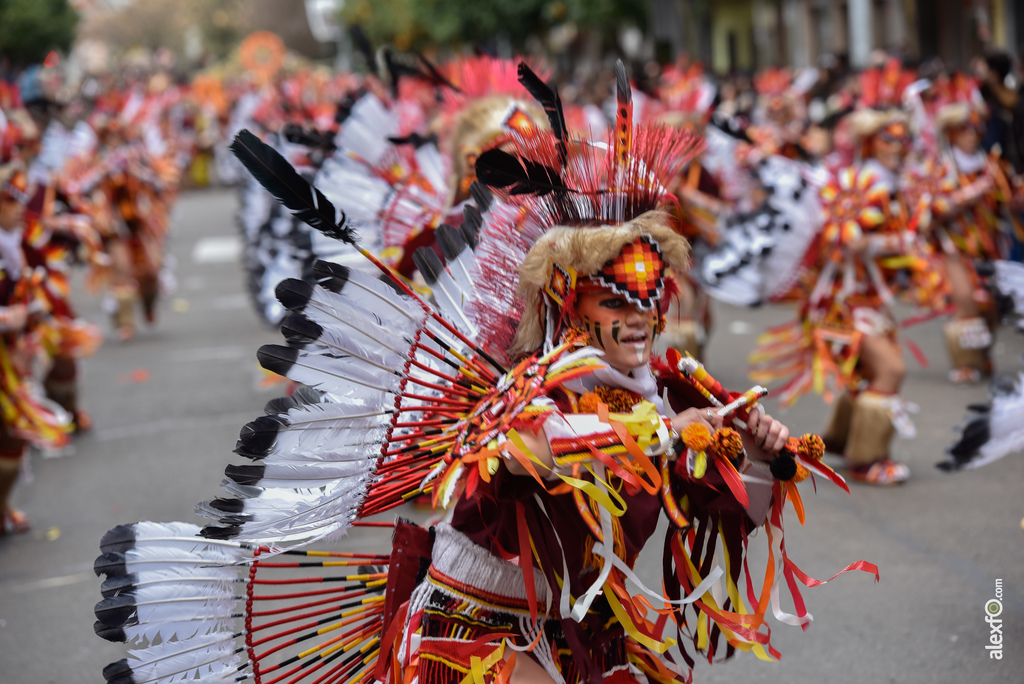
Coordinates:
(966, 227)
(846, 337)
(25, 416)
(528, 406)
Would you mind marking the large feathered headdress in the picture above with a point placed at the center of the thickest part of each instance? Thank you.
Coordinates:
(585, 204)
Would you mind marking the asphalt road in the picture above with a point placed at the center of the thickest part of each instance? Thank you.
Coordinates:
(168, 406)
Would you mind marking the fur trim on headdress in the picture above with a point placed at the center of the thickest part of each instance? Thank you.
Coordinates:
(481, 124)
(954, 115)
(867, 122)
(7, 171)
(587, 250)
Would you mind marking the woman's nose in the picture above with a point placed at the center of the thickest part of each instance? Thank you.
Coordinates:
(635, 316)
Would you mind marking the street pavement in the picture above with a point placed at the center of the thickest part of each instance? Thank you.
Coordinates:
(168, 405)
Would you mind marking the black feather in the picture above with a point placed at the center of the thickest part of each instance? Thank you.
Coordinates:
(115, 634)
(414, 139)
(119, 672)
(451, 242)
(481, 196)
(277, 358)
(297, 135)
(548, 98)
(110, 564)
(234, 510)
(244, 474)
(330, 276)
(299, 331)
(218, 532)
(227, 505)
(279, 405)
(436, 76)
(429, 264)
(258, 437)
(120, 538)
(471, 223)
(974, 436)
(281, 180)
(623, 93)
(115, 611)
(499, 169)
(307, 395)
(323, 270)
(120, 584)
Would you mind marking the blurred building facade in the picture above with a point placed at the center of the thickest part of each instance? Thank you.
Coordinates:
(744, 35)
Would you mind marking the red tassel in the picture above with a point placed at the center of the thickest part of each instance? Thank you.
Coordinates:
(526, 559)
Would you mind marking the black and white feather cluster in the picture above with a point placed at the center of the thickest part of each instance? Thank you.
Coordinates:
(174, 596)
(353, 339)
(992, 430)
(760, 251)
(276, 245)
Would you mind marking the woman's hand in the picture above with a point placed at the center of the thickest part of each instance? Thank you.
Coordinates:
(694, 415)
(13, 318)
(768, 434)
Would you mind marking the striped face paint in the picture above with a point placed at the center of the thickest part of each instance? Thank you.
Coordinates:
(622, 331)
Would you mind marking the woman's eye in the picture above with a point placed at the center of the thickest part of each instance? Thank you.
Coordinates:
(612, 304)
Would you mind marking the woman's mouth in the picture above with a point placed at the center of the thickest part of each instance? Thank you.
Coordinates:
(639, 339)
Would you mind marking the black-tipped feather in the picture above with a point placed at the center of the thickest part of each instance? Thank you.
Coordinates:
(110, 564)
(297, 135)
(245, 474)
(119, 672)
(429, 264)
(481, 196)
(258, 437)
(281, 180)
(119, 584)
(294, 294)
(471, 223)
(548, 98)
(451, 242)
(280, 405)
(623, 93)
(115, 611)
(299, 331)
(414, 139)
(120, 538)
(219, 532)
(115, 634)
(328, 269)
(277, 358)
(499, 169)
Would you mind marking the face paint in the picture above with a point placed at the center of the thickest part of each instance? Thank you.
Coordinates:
(631, 332)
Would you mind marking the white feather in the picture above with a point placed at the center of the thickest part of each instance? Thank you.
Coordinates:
(208, 658)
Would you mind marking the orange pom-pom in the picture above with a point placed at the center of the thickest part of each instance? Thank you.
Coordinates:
(589, 402)
(696, 436)
(812, 447)
(727, 442)
(801, 473)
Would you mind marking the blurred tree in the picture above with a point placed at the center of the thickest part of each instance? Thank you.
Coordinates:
(419, 23)
(153, 24)
(30, 29)
(222, 24)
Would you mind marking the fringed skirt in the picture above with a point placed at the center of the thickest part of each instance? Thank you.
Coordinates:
(471, 613)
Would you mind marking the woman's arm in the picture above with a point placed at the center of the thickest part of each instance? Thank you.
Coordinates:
(540, 446)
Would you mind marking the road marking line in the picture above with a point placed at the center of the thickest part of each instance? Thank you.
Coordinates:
(170, 425)
(221, 249)
(239, 301)
(51, 583)
(211, 354)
